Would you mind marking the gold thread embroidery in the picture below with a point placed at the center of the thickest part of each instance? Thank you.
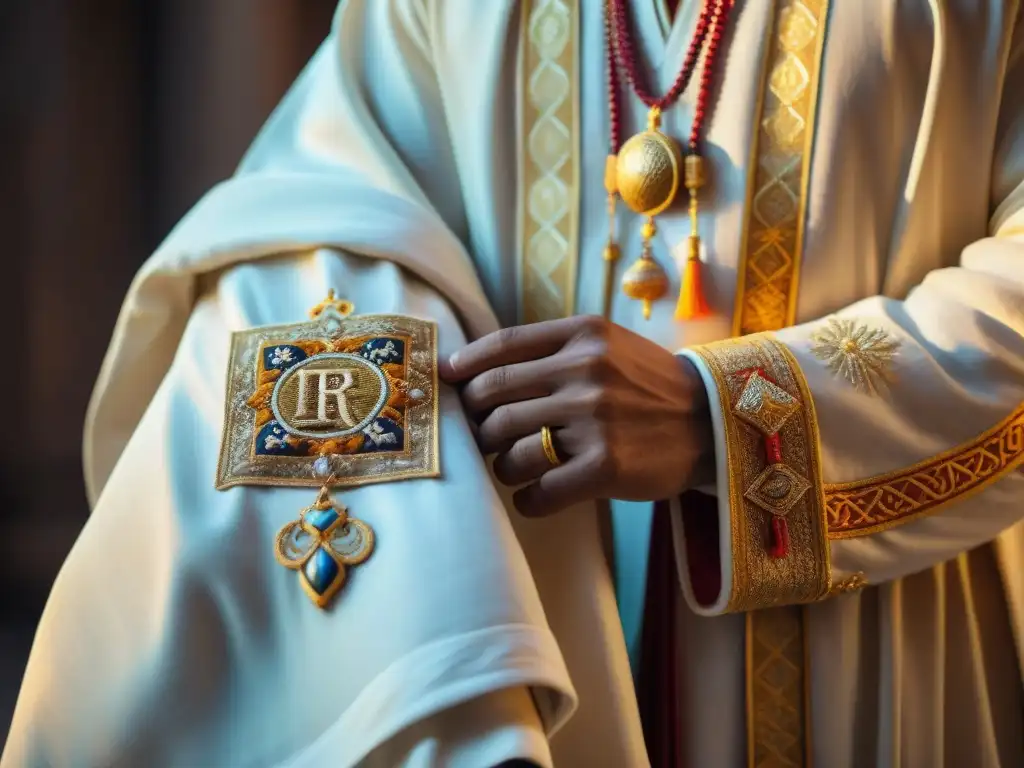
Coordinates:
(343, 307)
(857, 352)
(549, 159)
(765, 405)
(777, 489)
(776, 691)
(760, 580)
(766, 294)
(877, 503)
(381, 370)
(855, 582)
(769, 269)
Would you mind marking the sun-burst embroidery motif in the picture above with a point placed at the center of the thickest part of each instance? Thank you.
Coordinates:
(857, 352)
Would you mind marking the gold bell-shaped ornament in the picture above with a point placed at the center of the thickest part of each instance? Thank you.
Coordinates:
(648, 170)
(645, 280)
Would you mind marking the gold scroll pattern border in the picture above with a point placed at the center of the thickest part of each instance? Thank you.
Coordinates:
(778, 717)
(877, 503)
(549, 158)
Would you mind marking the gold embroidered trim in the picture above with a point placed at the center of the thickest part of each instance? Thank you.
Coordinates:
(759, 580)
(852, 583)
(778, 722)
(766, 294)
(549, 158)
(868, 506)
(769, 268)
(778, 730)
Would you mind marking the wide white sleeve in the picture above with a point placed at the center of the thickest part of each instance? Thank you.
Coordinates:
(884, 439)
(171, 636)
(489, 732)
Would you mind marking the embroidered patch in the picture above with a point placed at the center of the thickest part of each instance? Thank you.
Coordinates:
(354, 396)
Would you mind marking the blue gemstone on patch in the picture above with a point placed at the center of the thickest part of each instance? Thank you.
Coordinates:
(270, 441)
(384, 350)
(383, 435)
(321, 519)
(282, 356)
(320, 571)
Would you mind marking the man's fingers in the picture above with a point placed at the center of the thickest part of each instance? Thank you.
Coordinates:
(508, 384)
(576, 481)
(509, 346)
(523, 462)
(508, 423)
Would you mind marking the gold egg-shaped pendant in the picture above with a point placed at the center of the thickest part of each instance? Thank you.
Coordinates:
(648, 171)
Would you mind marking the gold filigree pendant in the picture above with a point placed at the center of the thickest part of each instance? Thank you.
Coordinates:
(322, 543)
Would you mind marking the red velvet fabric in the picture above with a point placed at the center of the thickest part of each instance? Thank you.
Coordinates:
(658, 678)
(700, 521)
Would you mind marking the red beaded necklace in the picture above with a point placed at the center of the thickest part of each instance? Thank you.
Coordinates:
(645, 171)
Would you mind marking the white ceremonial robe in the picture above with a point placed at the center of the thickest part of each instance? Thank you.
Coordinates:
(394, 173)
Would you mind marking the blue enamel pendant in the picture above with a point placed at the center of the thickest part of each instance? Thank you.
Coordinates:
(321, 544)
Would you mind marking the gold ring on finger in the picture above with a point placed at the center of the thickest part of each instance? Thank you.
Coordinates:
(548, 444)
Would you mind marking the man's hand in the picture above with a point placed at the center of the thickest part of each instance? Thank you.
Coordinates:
(629, 419)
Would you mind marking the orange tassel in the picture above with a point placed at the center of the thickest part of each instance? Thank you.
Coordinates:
(692, 305)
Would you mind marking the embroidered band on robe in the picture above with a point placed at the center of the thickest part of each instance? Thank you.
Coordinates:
(777, 529)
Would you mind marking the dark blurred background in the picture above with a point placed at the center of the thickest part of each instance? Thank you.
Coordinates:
(115, 116)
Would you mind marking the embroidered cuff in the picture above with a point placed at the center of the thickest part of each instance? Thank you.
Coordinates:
(773, 540)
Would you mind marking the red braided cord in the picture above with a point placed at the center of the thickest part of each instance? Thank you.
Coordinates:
(622, 53)
(719, 20)
(629, 60)
(614, 93)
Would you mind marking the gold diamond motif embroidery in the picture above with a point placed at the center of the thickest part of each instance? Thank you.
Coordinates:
(549, 139)
(764, 405)
(777, 202)
(777, 489)
(766, 294)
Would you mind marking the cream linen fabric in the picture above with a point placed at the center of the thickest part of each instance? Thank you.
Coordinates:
(172, 638)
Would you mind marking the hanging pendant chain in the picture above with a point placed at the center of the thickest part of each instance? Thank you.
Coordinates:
(631, 173)
(622, 54)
